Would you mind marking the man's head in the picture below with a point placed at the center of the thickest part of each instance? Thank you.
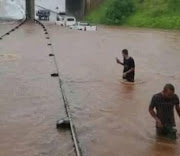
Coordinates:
(168, 91)
(125, 53)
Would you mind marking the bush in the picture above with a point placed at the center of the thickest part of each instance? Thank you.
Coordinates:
(149, 13)
(163, 21)
(98, 15)
(118, 11)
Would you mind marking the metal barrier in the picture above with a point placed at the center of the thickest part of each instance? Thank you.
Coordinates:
(12, 30)
(66, 104)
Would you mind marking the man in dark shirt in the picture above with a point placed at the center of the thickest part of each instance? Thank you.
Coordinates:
(164, 104)
(129, 66)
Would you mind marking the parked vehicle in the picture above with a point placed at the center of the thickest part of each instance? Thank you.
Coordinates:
(60, 20)
(74, 27)
(43, 14)
(65, 20)
(84, 26)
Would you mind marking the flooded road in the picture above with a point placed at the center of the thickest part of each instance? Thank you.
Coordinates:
(30, 100)
(111, 117)
(6, 26)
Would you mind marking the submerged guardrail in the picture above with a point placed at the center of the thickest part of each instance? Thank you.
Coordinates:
(13, 29)
(66, 104)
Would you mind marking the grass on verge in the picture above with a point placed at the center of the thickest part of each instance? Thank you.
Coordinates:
(149, 13)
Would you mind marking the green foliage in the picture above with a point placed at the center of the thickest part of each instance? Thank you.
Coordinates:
(112, 12)
(141, 20)
(173, 6)
(156, 14)
(98, 15)
(118, 11)
(139, 13)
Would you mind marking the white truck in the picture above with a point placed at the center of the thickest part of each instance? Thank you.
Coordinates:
(83, 26)
(65, 21)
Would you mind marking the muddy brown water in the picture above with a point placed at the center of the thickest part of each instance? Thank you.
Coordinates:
(30, 99)
(111, 117)
(6, 26)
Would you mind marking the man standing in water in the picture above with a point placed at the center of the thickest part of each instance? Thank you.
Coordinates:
(129, 66)
(164, 104)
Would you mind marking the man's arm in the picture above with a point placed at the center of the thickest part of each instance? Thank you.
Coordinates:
(178, 110)
(130, 70)
(153, 114)
(176, 102)
(119, 62)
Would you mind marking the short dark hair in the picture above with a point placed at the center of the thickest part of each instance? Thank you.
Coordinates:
(125, 51)
(170, 87)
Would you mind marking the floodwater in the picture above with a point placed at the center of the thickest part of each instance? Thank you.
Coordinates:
(30, 100)
(6, 26)
(111, 117)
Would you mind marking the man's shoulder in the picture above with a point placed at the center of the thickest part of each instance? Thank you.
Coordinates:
(131, 58)
(176, 96)
(155, 99)
(157, 95)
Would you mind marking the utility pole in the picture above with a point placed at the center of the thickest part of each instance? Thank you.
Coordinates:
(30, 9)
(83, 7)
